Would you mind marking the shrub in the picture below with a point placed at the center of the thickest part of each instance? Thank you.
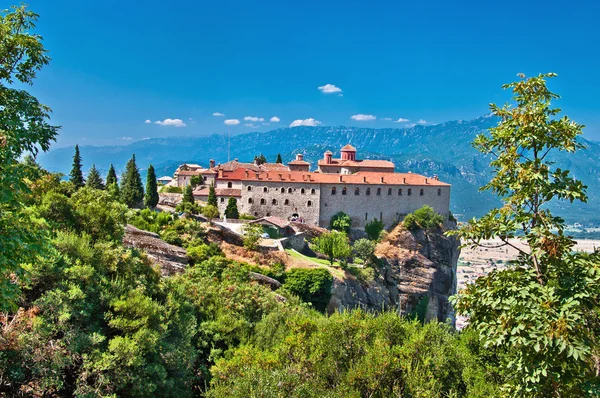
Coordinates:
(340, 222)
(171, 237)
(364, 249)
(202, 252)
(171, 189)
(312, 285)
(424, 218)
(252, 235)
(210, 211)
(334, 245)
(374, 228)
(245, 216)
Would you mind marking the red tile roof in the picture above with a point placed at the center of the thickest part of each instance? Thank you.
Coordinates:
(299, 162)
(348, 147)
(188, 173)
(277, 221)
(203, 191)
(234, 165)
(357, 163)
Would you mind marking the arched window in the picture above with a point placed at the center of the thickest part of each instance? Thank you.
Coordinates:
(309, 203)
(356, 191)
(333, 190)
(274, 201)
(282, 190)
(368, 191)
(313, 191)
(230, 184)
(263, 202)
(255, 214)
(378, 191)
(389, 191)
(399, 191)
(265, 189)
(222, 200)
(287, 202)
(249, 200)
(268, 214)
(409, 191)
(249, 188)
(344, 191)
(289, 190)
(439, 192)
(421, 192)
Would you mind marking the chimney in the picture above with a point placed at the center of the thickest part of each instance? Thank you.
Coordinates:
(382, 180)
(220, 175)
(256, 175)
(426, 181)
(364, 178)
(299, 156)
(247, 173)
(327, 157)
(281, 177)
(435, 177)
(404, 180)
(211, 163)
(341, 178)
(235, 160)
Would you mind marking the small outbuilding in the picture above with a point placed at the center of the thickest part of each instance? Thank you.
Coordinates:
(276, 227)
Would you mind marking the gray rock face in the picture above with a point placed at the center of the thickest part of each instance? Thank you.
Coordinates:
(416, 266)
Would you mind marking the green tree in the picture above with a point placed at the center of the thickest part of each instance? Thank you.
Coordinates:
(374, 228)
(252, 234)
(151, 195)
(212, 195)
(111, 177)
(210, 211)
(334, 245)
(260, 159)
(24, 127)
(196, 180)
(424, 218)
(340, 222)
(278, 160)
(188, 194)
(132, 190)
(76, 175)
(231, 211)
(312, 285)
(542, 312)
(94, 180)
(364, 249)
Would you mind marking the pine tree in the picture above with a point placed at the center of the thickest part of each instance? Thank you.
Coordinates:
(262, 159)
(232, 211)
(212, 195)
(132, 190)
(279, 159)
(76, 175)
(111, 177)
(94, 180)
(188, 195)
(151, 196)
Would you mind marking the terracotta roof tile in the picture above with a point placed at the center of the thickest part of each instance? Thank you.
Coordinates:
(348, 147)
(203, 191)
(277, 221)
(357, 163)
(299, 162)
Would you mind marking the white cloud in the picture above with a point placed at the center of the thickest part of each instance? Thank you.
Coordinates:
(329, 89)
(410, 125)
(363, 118)
(401, 120)
(148, 121)
(231, 122)
(126, 138)
(275, 119)
(218, 114)
(305, 122)
(251, 125)
(422, 121)
(387, 119)
(171, 122)
(254, 119)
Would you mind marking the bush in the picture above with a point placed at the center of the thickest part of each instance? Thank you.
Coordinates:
(312, 285)
(374, 228)
(252, 235)
(424, 218)
(171, 237)
(57, 209)
(199, 253)
(364, 249)
(340, 222)
(98, 215)
(245, 216)
(188, 207)
(171, 189)
(210, 211)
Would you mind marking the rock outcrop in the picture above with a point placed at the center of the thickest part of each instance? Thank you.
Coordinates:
(416, 267)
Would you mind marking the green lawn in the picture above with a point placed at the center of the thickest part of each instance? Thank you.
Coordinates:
(335, 268)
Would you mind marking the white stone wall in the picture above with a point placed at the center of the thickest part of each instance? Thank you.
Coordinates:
(224, 184)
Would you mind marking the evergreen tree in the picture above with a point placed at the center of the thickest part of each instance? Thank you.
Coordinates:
(188, 196)
(279, 159)
(132, 190)
(76, 175)
(212, 195)
(94, 180)
(232, 211)
(111, 177)
(151, 197)
(262, 159)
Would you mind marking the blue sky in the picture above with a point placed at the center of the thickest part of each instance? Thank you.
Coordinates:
(117, 64)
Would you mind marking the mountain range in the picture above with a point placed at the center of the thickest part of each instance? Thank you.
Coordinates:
(443, 149)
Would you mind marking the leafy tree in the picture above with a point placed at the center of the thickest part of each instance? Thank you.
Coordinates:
(99, 216)
(231, 211)
(188, 194)
(278, 160)
(76, 175)
(196, 180)
(542, 313)
(212, 195)
(151, 195)
(132, 191)
(340, 222)
(424, 218)
(24, 127)
(94, 180)
(312, 285)
(210, 211)
(203, 252)
(374, 228)
(334, 245)
(364, 249)
(252, 235)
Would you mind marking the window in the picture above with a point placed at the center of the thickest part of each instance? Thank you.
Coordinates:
(282, 190)
(268, 214)
(249, 200)
(409, 191)
(389, 191)
(249, 188)
(366, 216)
(421, 192)
(287, 202)
(289, 190)
(255, 214)
(222, 200)
(312, 191)
(378, 191)
(344, 191)
(333, 191)
(265, 189)
(357, 191)
(309, 203)
(400, 192)
(439, 192)
(368, 191)
(274, 201)
(229, 184)
(302, 191)
(263, 202)
(380, 216)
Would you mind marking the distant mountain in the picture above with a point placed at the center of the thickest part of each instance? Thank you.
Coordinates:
(443, 149)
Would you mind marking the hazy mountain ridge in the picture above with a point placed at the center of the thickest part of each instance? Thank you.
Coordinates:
(444, 149)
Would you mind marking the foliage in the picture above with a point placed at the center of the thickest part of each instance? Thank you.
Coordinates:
(374, 229)
(424, 218)
(150, 220)
(188, 194)
(202, 252)
(132, 191)
(278, 160)
(98, 215)
(94, 180)
(76, 175)
(111, 177)
(261, 159)
(245, 216)
(171, 189)
(312, 285)
(212, 196)
(196, 180)
(151, 195)
(252, 233)
(340, 222)
(210, 211)
(542, 313)
(364, 249)
(231, 211)
(334, 245)
(187, 207)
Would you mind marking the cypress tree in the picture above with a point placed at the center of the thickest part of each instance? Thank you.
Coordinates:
(111, 177)
(278, 159)
(188, 196)
(94, 180)
(232, 211)
(76, 175)
(132, 190)
(151, 196)
(212, 195)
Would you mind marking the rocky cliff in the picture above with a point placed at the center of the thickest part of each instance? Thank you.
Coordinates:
(416, 267)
